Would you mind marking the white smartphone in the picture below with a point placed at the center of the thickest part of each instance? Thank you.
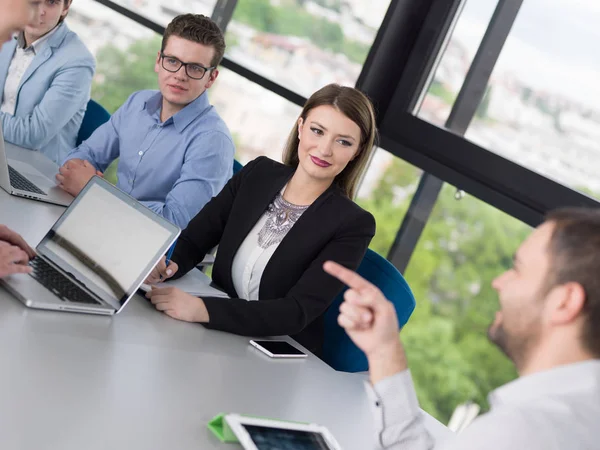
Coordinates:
(267, 434)
(278, 349)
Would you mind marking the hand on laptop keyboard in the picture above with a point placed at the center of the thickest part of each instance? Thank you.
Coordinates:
(8, 235)
(12, 260)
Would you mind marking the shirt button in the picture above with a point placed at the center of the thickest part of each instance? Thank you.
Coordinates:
(377, 404)
(140, 153)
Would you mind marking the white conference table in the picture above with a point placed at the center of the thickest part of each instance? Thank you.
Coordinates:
(141, 380)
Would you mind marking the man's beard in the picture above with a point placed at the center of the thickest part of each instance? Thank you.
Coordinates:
(497, 336)
(516, 348)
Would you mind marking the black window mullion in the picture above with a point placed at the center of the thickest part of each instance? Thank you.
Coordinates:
(223, 12)
(478, 76)
(463, 111)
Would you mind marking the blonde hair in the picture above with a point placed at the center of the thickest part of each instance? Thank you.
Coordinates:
(357, 107)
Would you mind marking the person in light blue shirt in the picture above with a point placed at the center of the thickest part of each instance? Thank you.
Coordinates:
(175, 152)
(45, 79)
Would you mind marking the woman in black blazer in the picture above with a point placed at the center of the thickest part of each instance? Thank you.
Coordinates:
(276, 224)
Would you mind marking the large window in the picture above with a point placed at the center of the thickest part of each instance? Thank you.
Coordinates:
(386, 191)
(99, 26)
(541, 107)
(258, 119)
(304, 45)
(162, 11)
(455, 60)
(465, 245)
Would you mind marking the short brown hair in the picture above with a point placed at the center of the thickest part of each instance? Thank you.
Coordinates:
(197, 28)
(62, 18)
(575, 257)
(357, 107)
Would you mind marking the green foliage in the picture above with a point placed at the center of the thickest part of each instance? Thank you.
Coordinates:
(437, 89)
(258, 14)
(355, 51)
(110, 174)
(399, 178)
(464, 246)
(334, 5)
(291, 19)
(120, 73)
(587, 191)
(526, 94)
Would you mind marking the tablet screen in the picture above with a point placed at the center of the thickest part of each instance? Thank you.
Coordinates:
(267, 438)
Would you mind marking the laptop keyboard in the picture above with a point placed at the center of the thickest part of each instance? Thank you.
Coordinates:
(63, 287)
(18, 181)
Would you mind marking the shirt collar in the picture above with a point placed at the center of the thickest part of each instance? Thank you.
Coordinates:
(561, 380)
(184, 117)
(37, 45)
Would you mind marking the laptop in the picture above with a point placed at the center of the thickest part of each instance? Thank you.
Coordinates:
(30, 174)
(96, 255)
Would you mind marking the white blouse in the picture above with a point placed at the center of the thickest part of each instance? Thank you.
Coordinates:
(20, 62)
(249, 263)
(251, 258)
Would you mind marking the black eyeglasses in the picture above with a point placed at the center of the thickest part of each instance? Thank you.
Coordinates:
(193, 70)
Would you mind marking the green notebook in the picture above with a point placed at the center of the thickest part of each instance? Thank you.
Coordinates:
(220, 428)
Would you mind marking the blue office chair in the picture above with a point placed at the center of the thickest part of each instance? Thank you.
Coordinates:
(338, 350)
(237, 166)
(95, 115)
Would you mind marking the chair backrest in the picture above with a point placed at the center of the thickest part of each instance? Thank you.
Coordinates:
(237, 166)
(338, 350)
(95, 115)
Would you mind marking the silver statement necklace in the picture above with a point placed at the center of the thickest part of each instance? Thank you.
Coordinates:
(281, 217)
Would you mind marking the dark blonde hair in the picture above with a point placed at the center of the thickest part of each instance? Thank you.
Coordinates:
(358, 108)
(67, 3)
(197, 28)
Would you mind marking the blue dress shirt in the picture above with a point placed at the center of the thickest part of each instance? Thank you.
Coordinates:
(173, 167)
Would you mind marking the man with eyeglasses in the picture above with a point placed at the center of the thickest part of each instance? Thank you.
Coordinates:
(175, 152)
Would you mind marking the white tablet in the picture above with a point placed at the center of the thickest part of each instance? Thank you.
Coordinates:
(267, 434)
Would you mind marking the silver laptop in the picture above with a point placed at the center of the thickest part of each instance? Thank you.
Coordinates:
(30, 174)
(96, 255)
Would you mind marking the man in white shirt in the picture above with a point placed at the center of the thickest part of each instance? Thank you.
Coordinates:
(548, 325)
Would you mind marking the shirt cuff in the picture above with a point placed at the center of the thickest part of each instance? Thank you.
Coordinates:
(394, 404)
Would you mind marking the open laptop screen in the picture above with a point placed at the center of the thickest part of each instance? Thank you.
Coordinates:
(108, 240)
